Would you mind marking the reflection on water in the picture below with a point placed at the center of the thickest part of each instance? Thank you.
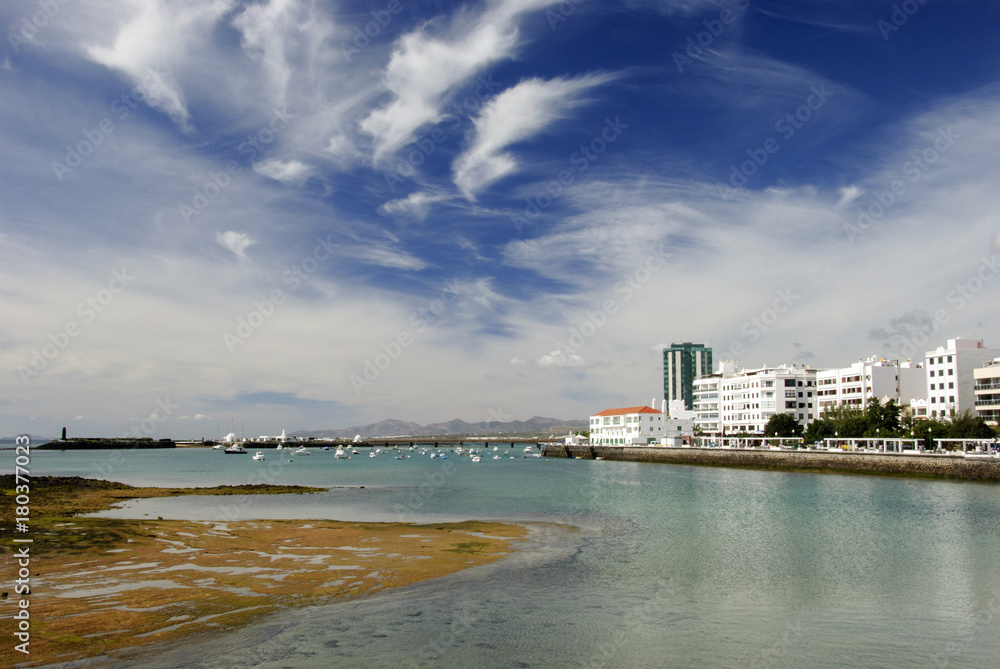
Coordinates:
(673, 566)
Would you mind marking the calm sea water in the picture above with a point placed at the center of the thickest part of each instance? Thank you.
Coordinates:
(671, 566)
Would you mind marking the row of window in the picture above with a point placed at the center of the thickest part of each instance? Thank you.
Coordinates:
(940, 372)
(617, 420)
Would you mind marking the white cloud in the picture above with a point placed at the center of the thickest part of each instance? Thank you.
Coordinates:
(848, 195)
(416, 205)
(514, 115)
(424, 69)
(387, 256)
(237, 242)
(152, 41)
(560, 358)
(287, 37)
(285, 171)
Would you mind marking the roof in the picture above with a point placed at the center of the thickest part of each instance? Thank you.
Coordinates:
(627, 410)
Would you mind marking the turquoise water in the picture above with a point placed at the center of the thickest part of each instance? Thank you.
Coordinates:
(671, 567)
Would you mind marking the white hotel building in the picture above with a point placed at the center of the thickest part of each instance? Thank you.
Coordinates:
(743, 401)
(853, 386)
(987, 388)
(951, 375)
(636, 426)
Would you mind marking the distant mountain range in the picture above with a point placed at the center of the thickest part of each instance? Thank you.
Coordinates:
(35, 439)
(402, 428)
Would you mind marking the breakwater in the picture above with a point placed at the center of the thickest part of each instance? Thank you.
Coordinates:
(83, 443)
(880, 464)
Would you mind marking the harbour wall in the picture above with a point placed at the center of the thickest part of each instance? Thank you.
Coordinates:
(879, 464)
(96, 444)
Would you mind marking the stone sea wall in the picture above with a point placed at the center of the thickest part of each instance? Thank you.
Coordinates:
(96, 444)
(881, 464)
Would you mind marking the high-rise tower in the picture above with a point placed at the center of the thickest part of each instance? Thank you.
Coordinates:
(682, 364)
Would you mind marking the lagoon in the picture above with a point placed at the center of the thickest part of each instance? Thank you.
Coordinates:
(668, 565)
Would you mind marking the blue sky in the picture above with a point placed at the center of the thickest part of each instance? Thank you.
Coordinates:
(315, 214)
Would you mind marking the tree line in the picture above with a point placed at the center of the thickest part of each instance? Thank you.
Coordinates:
(878, 420)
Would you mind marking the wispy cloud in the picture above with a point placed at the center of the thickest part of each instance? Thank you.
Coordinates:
(237, 242)
(416, 205)
(386, 254)
(514, 115)
(431, 62)
(285, 171)
(157, 36)
(290, 38)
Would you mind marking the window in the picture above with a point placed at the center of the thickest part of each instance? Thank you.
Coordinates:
(789, 383)
(949, 358)
(951, 372)
(951, 399)
(951, 384)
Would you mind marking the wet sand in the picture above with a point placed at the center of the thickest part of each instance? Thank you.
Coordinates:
(103, 585)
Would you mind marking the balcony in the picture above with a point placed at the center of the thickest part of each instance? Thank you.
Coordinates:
(988, 385)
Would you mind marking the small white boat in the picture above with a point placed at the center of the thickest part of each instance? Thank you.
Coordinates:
(339, 453)
(372, 454)
(496, 457)
(280, 446)
(235, 449)
(476, 458)
(527, 449)
(302, 450)
(259, 455)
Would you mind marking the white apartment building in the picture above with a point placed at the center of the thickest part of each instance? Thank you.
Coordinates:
(902, 381)
(706, 398)
(636, 426)
(950, 375)
(743, 400)
(987, 388)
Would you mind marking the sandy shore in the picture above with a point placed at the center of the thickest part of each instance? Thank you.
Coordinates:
(99, 585)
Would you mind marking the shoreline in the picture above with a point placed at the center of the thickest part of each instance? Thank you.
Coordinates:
(929, 466)
(110, 586)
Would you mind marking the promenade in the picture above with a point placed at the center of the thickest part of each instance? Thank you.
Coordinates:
(909, 463)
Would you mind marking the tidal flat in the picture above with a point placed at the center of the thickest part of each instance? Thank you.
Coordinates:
(100, 586)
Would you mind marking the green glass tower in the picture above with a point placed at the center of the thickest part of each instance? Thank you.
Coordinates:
(682, 364)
